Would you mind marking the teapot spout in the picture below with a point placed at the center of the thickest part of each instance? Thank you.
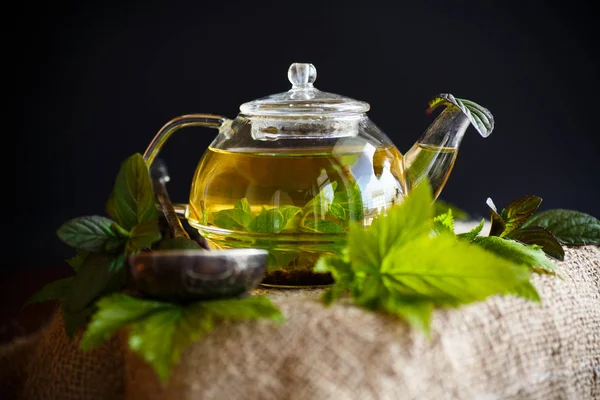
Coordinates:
(432, 156)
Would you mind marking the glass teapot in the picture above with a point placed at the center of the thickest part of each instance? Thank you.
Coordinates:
(293, 169)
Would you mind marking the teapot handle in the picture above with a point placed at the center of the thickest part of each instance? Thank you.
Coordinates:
(206, 120)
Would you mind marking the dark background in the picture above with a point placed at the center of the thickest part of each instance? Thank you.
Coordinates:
(95, 81)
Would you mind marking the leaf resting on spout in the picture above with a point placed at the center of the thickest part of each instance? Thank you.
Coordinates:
(481, 118)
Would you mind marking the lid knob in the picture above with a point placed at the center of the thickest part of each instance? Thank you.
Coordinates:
(302, 75)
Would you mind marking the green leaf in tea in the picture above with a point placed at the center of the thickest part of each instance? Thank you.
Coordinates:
(132, 199)
(568, 226)
(239, 217)
(322, 226)
(94, 233)
(541, 237)
(348, 198)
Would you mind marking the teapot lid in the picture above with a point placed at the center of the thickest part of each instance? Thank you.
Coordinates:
(303, 99)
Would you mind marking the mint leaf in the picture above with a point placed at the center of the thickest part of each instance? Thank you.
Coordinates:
(444, 223)
(541, 237)
(416, 312)
(342, 273)
(472, 234)
(319, 204)
(93, 233)
(525, 290)
(51, 291)
(75, 320)
(498, 223)
(115, 312)
(348, 198)
(239, 217)
(518, 211)
(323, 226)
(338, 211)
(143, 235)
(481, 118)
(77, 260)
(159, 331)
(253, 307)
(450, 271)
(178, 243)
(132, 198)
(568, 226)
(531, 256)
(94, 278)
(441, 207)
(405, 222)
(274, 220)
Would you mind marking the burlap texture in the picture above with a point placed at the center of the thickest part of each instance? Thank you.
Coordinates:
(50, 365)
(504, 348)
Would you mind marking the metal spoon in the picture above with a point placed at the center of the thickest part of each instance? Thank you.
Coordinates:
(193, 274)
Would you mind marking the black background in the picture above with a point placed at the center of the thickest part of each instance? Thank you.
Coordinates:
(95, 81)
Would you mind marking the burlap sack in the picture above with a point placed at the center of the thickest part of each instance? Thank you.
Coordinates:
(49, 365)
(504, 348)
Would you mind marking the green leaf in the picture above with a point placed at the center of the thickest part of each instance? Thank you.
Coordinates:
(320, 203)
(481, 118)
(76, 261)
(253, 307)
(444, 223)
(52, 291)
(337, 211)
(416, 312)
(323, 226)
(239, 217)
(349, 198)
(160, 337)
(95, 277)
(531, 256)
(115, 312)
(143, 235)
(473, 233)
(342, 273)
(75, 320)
(441, 207)
(178, 243)
(498, 223)
(518, 211)
(271, 221)
(289, 213)
(450, 271)
(540, 236)
(405, 222)
(568, 226)
(525, 290)
(90, 233)
(132, 200)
